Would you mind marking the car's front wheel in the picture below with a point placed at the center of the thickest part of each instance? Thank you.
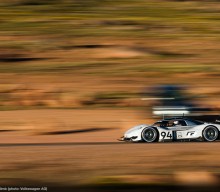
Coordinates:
(149, 134)
(210, 133)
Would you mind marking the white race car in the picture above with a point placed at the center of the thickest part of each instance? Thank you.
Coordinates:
(173, 129)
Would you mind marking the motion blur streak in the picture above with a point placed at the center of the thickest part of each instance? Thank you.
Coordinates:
(87, 70)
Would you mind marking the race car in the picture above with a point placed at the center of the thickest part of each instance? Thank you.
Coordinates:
(173, 129)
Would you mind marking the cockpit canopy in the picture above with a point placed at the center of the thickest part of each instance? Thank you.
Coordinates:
(177, 122)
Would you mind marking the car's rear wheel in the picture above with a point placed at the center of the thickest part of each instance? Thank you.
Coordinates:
(149, 134)
(210, 133)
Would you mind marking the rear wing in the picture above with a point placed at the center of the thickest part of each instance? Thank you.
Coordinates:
(206, 118)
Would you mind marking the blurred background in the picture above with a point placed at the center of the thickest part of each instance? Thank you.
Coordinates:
(84, 71)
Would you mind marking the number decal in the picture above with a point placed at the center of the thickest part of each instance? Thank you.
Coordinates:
(169, 135)
(164, 135)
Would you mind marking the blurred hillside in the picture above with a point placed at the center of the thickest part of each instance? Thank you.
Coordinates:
(73, 53)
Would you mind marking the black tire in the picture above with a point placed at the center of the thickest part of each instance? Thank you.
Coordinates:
(210, 133)
(149, 135)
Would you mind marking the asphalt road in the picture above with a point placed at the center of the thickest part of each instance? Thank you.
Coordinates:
(109, 163)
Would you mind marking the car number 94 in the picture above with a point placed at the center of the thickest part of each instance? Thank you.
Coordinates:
(166, 135)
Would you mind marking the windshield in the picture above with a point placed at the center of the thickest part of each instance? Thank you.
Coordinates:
(160, 124)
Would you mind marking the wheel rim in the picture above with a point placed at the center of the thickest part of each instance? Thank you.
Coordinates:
(211, 134)
(149, 135)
